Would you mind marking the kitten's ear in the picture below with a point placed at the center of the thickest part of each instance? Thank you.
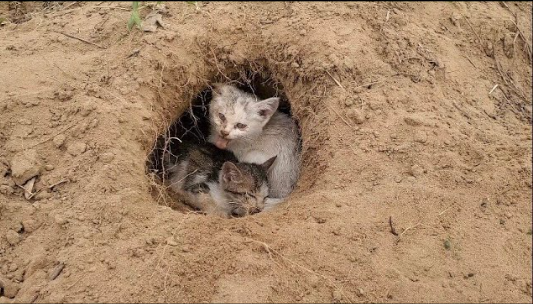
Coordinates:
(231, 173)
(267, 107)
(266, 165)
(216, 88)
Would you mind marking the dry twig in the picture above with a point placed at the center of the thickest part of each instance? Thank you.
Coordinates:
(81, 39)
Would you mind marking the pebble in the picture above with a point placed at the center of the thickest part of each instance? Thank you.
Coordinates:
(421, 137)
(107, 157)
(337, 296)
(348, 102)
(412, 121)
(398, 179)
(76, 148)
(356, 116)
(416, 171)
(13, 267)
(29, 225)
(171, 241)
(42, 195)
(10, 289)
(5, 189)
(59, 140)
(24, 166)
(12, 237)
(60, 220)
(49, 167)
(93, 123)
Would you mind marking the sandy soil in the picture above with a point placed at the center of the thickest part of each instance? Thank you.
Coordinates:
(416, 174)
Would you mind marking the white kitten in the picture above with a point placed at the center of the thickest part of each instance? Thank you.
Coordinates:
(255, 131)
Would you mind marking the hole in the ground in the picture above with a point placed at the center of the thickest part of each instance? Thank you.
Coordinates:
(193, 125)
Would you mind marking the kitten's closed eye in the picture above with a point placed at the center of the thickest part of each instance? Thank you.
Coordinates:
(240, 126)
(222, 117)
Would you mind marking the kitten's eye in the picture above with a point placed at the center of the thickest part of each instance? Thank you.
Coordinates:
(240, 126)
(221, 116)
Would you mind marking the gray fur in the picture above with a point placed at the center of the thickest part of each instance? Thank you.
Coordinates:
(268, 133)
(211, 180)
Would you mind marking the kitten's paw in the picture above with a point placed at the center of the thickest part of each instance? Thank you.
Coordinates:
(272, 202)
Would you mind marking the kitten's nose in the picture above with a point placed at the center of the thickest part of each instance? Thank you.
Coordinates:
(223, 133)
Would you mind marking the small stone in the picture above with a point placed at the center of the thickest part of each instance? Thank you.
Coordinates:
(337, 296)
(10, 289)
(59, 140)
(42, 195)
(171, 241)
(49, 167)
(421, 137)
(455, 19)
(76, 148)
(107, 157)
(348, 102)
(489, 49)
(13, 267)
(93, 123)
(356, 116)
(416, 171)
(295, 64)
(303, 32)
(29, 225)
(314, 281)
(412, 121)
(24, 166)
(398, 179)
(60, 220)
(13, 237)
(320, 220)
(5, 189)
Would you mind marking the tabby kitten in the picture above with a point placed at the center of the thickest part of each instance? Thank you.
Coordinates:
(212, 180)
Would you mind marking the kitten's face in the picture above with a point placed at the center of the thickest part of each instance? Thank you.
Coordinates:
(235, 114)
(245, 186)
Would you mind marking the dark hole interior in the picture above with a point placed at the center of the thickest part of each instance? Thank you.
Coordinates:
(193, 124)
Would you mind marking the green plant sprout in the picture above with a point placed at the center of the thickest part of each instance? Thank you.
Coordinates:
(135, 18)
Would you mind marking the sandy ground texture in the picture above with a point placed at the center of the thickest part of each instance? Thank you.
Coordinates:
(416, 171)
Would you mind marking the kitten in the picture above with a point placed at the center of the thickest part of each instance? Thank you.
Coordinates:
(255, 131)
(212, 180)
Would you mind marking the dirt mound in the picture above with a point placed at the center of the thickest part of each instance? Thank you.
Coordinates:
(416, 137)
